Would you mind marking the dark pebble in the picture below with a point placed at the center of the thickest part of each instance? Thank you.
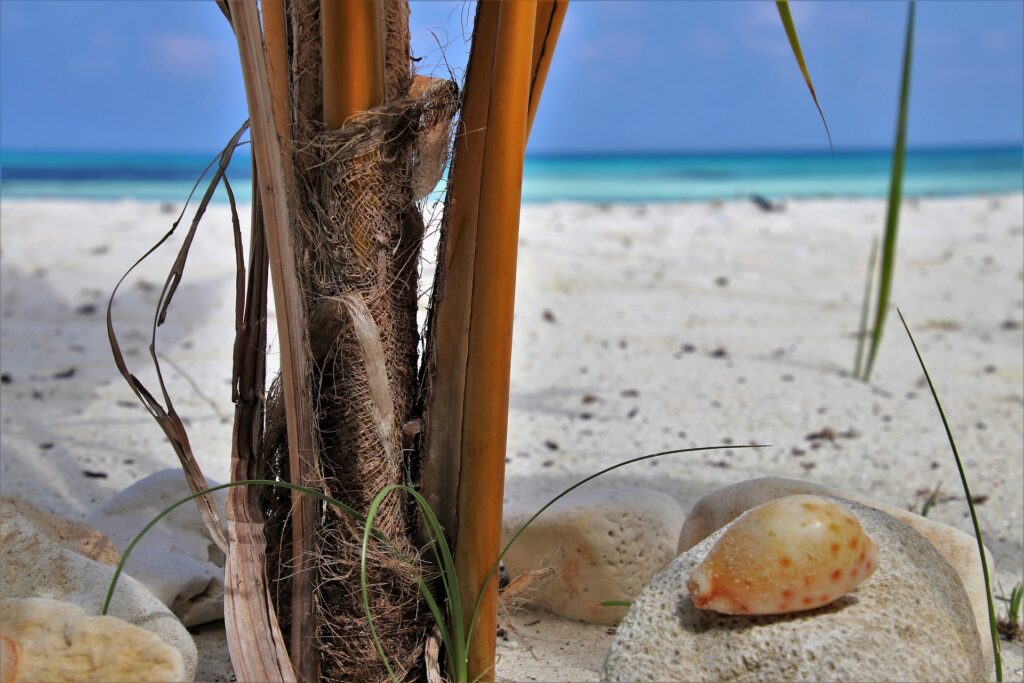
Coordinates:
(826, 434)
(503, 578)
(65, 374)
(92, 474)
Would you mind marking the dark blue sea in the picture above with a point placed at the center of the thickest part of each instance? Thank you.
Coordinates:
(583, 178)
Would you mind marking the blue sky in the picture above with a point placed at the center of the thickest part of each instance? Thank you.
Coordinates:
(628, 76)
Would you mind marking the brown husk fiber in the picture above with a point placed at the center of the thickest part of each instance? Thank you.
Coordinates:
(358, 234)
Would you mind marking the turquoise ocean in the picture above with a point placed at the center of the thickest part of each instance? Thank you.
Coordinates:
(581, 178)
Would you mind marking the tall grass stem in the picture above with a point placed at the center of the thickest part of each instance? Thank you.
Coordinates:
(865, 309)
(892, 217)
(993, 622)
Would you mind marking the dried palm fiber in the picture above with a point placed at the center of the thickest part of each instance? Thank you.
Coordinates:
(362, 172)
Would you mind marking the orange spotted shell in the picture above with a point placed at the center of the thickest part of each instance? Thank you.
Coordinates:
(790, 554)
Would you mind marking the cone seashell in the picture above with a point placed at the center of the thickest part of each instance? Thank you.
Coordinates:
(788, 555)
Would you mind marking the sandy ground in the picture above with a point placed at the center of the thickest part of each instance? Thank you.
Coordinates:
(639, 328)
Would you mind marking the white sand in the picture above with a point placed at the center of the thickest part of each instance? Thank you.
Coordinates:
(629, 287)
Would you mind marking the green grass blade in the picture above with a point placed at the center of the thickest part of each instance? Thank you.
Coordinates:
(119, 569)
(458, 643)
(538, 513)
(453, 639)
(1016, 599)
(616, 603)
(892, 218)
(364, 588)
(992, 620)
(865, 309)
(454, 647)
(794, 43)
(930, 502)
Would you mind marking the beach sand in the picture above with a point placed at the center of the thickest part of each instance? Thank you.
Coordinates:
(639, 328)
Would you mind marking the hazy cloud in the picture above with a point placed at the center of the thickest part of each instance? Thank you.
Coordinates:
(180, 53)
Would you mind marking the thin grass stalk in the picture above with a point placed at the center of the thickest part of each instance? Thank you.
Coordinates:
(456, 638)
(274, 174)
(550, 17)
(865, 309)
(295, 488)
(519, 532)
(444, 557)
(892, 217)
(1014, 609)
(992, 618)
(485, 413)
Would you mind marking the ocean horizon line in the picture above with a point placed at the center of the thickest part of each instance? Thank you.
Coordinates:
(800, 151)
(604, 177)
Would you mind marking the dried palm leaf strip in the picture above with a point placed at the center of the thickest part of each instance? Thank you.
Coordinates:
(444, 375)
(470, 336)
(164, 413)
(485, 417)
(274, 174)
(550, 17)
(255, 641)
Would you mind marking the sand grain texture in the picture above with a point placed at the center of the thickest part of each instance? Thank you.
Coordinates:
(669, 325)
